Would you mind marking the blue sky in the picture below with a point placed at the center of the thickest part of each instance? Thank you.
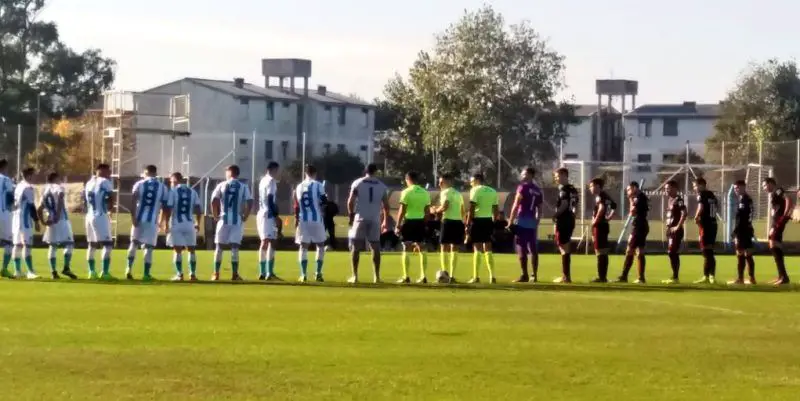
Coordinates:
(678, 50)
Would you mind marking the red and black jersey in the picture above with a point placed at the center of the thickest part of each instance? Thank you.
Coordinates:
(744, 213)
(777, 205)
(708, 215)
(603, 199)
(675, 208)
(566, 204)
(639, 209)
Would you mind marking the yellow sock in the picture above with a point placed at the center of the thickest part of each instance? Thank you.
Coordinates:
(476, 263)
(490, 264)
(453, 262)
(423, 264)
(405, 261)
(443, 259)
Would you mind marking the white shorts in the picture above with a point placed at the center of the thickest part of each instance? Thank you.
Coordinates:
(98, 229)
(310, 232)
(145, 233)
(228, 234)
(5, 227)
(365, 230)
(266, 226)
(59, 233)
(182, 236)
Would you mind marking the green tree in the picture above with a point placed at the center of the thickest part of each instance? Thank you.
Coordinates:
(33, 61)
(340, 167)
(763, 106)
(485, 79)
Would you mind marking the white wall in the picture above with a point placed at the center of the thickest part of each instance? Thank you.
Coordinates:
(579, 141)
(355, 133)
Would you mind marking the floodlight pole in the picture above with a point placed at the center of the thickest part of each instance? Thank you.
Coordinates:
(686, 175)
(253, 164)
(19, 151)
(499, 160)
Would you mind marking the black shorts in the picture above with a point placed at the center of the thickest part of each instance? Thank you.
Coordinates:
(776, 232)
(452, 232)
(413, 231)
(481, 230)
(600, 234)
(564, 230)
(708, 235)
(743, 238)
(674, 240)
(638, 237)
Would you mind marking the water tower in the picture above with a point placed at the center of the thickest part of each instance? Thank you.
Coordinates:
(609, 131)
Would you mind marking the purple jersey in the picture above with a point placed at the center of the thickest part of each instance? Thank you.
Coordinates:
(531, 200)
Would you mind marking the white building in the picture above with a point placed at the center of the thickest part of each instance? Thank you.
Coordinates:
(230, 121)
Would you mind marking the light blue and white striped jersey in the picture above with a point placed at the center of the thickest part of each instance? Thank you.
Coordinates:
(96, 194)
(53, 195)
(6, 194)
(24, 204)
(150, 194)
(233, 196)
(267, 196)
(182, 201)
(308, 198)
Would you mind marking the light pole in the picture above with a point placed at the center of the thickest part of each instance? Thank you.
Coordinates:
(38, 122)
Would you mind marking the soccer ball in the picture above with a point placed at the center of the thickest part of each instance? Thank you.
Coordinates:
(443, 277)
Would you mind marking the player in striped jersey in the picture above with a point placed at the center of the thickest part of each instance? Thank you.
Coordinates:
(98, 202)
(268, 220)
(182, 219)
(231, 203)
(58, 231)
(6, 202)
(309, 197)
(24, 221)
(149, 195)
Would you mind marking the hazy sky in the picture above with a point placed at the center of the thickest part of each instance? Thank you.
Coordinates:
(678, 49)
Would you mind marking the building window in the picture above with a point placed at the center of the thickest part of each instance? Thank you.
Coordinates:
(242, 141)
(364, 148)
(670, 127)
(645, 127)
(365, 113)
(570, 156)
(286, 105)
(643, 158)
(244, 100)
(341, 148)
(342, 115)
(270, 111)
(669, 158)
(284, 150)
(328, 115)
(327, 148)
(268, 150)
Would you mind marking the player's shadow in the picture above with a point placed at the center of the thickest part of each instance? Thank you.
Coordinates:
(547, 287)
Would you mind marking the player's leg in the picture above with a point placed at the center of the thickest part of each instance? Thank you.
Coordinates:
(177, 263)
(90, 262)
(564, 242)
(776, 246)
(235, 276)
(600, 241)
(67, 269)
(373, 237)
(751, 267)
(7, 253)
(419, 247)
(132, 247)
(108, 247)
(192, 262)
(52, 250)
(405, 261)
(262, 259)
(17, 256)
(673, 253)
(319, 258)
(740, 262)
(630, 254)
(357, 241)
(221, 234)
(641, 265)
(476, 263)
(302, 258)
(522, 248)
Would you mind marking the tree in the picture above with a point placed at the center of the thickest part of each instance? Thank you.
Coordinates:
(33, 61)
(340, 167)
(484, 80)
(73, 146)
(763, 106)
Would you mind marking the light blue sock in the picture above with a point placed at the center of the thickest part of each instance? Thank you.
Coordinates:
(91, 266)
(29, 263)
(262, 266)
(67, 261)
(319, 267)
(18, 265)
(271, 267)
(106, 266)
(53, 266)
(303, 267)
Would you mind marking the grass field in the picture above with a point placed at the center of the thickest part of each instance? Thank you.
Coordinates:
(201, 341)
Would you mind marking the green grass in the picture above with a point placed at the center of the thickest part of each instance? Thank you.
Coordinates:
(202, 341)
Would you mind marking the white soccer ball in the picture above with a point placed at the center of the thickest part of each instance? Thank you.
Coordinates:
(442, 276)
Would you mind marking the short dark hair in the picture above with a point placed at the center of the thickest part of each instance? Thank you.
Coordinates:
(102, 166)
(177, 175)
(413, 176)
(447, 176)
(634, 184)
(530, 170)
(672, 183)
(52, 177)
(598, 182)
(372, 168)
(3, 163)
(770, 180)
(234, 169)
(740, 183)
(700, 181)
(28, 171)
(272, 166)
(478, 177)
(151, 169)
(310, 170)
(563, 171)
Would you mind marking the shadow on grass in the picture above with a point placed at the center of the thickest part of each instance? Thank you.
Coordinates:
(575, 287)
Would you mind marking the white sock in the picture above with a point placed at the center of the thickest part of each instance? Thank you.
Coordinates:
(262, 253)
(90, 253)
(270, 252)
(192, 257)
(218, 254)
(68, 250)
(148, 254)
(51, 252)
(131, 253)
(302, 254)
(234, 255)
(106, 252)
(320, 252)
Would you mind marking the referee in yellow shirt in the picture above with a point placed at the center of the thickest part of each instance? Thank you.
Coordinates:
(481, 214)
(451, 206)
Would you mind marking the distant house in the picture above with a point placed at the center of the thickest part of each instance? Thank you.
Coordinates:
(582, 141)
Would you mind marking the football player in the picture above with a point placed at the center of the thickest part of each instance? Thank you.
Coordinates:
(149, 195)
(676, 217)
(6, 204)
(182, 220)
(368, 210)
(24, 221)
(743, 236)
(451, 235)
(481, 216)
(411, 225)
(309, 199)
(564, 219)
(639, 207)
(604, 209)
(781, 207)
(58, 230)
(268, 220)
(231, 203)
(706, 219)
(98, 201)
(523, 221)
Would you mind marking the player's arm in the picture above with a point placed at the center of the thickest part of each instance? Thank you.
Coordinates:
(401, 215)
(40, 210)
(216, 202)
(296, 207)
(684, 214)
(135, 208)
(788, 208)
(699, 211)
(385, 210)
(34, 215)
(514, 206)
(248, 204)
(351, 205)
(563, 207)
(470, 214)
(601, 211)
(61, 206)
(166, 211)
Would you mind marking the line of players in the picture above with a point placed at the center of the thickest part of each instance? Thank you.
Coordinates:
(177, 212)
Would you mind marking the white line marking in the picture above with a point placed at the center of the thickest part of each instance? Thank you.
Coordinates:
(657, 302)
